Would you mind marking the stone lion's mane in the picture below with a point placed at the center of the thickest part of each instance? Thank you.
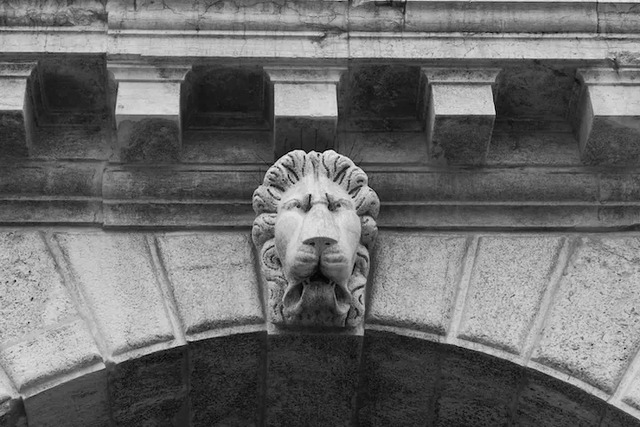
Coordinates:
(288, 171)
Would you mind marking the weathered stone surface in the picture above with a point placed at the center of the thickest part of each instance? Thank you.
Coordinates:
(415, 279)
(399, 380)
(312, 379)
(151, 390)
(148, 111)
(305, 108)
(509, 277)
(55, 352)
(47, 179)
(213, 279)
(227, 147)
(460, 113)
(80, 402)
(383, 147)
(227, 376)
(475, 389)
(593, 329)
(32, 295)
(546, 401)
(115, 275)
(514, 17)
(532, 148)
(176, 214)
(607, 116)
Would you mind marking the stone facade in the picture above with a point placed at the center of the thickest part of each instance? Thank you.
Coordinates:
(500, 137)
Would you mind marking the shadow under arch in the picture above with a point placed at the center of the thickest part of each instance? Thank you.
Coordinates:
(380, 379)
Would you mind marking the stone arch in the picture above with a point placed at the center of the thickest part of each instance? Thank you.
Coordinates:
(93, 322)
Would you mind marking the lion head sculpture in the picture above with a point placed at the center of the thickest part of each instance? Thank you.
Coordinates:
(314, 228)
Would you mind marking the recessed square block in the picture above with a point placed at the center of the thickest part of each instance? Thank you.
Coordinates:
(460, 113)
(592, 330)
(312, 379)
(608, 121)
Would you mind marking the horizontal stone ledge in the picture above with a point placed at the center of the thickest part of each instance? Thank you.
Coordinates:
(312, 45)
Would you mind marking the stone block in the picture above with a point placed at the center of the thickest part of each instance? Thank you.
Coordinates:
(305, 108)
(608, 116)
(150, 390)
(475, 389)
(509, 278)
(399, 380)
(414, 280)
(213, 279)
(16, 110)
(32, 294)
(593, 328)
(544, 400)
(53, 353)
(312, 379)
(116, 277)
(81, 402)
(148, 111)
(227, 380)
(460, 113)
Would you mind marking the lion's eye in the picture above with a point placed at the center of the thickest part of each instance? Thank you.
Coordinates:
(293, 204)
(334, 206)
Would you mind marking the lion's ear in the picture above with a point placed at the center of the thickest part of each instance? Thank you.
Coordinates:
(369, 231)
(368, 203)
(263, 229)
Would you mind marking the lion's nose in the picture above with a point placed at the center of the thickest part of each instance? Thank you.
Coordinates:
(320, 241)
(319, 228)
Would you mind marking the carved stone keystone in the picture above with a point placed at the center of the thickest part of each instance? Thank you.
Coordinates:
(16, 109)
(460, 113)
(148, 111)
(305, 107)
(314, 230)
(608, 122)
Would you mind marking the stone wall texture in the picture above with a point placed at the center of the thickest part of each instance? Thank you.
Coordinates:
(167, 328)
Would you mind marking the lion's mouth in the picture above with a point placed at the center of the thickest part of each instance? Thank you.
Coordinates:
(317, 301)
